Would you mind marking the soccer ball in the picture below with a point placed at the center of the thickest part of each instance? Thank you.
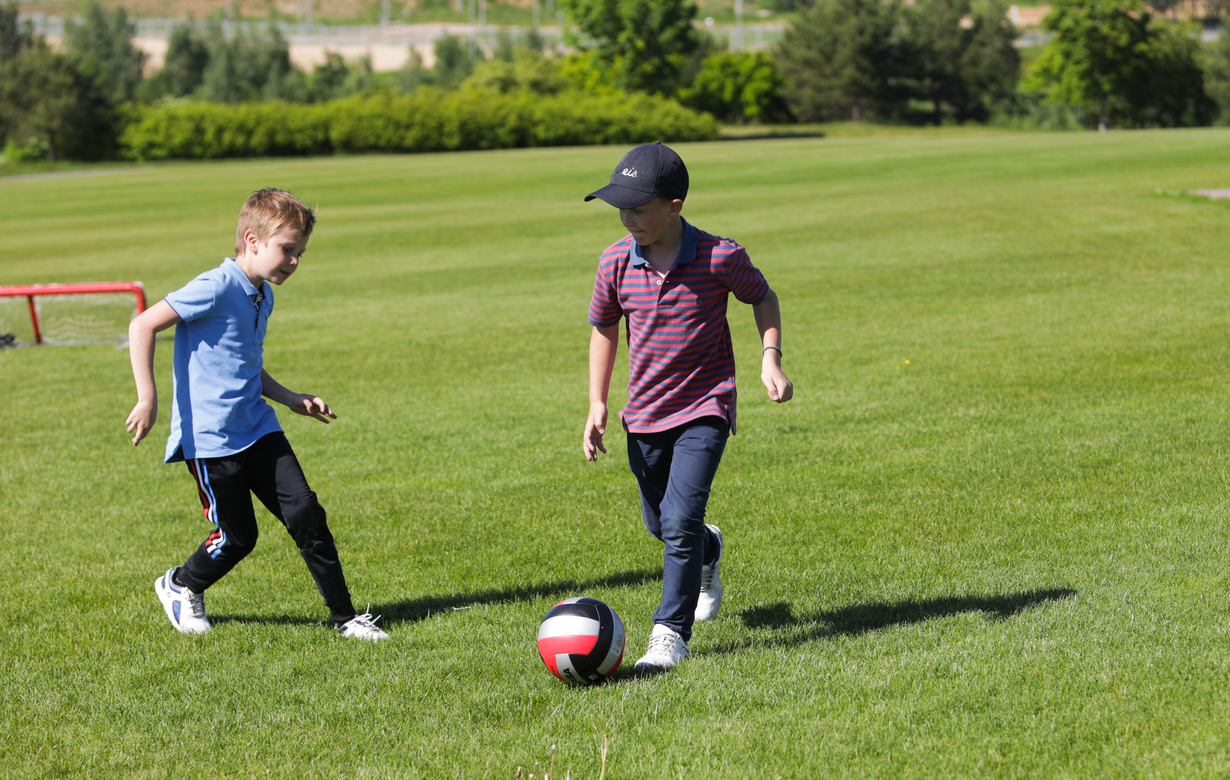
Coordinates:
(581, 641)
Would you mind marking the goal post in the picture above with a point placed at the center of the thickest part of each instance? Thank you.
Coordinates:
(68, 314)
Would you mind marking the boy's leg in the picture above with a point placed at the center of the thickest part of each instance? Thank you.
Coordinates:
(649, 457)
(675, 472)
(222, 485)
(279, 483)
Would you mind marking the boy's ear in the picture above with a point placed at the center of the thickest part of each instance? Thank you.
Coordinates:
(249, 242)
(676, 206)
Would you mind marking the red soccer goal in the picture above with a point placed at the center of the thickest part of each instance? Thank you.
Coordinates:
(68, 313)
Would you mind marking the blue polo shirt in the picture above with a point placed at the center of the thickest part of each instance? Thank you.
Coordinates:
(219, 348)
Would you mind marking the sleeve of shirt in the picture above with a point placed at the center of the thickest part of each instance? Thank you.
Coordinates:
(194, 298)
(604, 308)
(744, 279)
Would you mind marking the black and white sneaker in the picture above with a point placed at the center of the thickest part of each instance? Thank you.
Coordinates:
(363, 627)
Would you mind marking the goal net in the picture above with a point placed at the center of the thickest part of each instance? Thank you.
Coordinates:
(66, 314)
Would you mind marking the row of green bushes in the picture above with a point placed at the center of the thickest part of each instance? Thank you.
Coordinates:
(423, 121)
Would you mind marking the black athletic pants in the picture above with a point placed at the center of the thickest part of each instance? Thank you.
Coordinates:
(269, 469)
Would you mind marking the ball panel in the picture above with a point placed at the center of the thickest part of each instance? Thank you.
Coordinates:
(552, 664)
(568, 625)
(582, 607)
(575, 670)
(615, 651)
(554, 645)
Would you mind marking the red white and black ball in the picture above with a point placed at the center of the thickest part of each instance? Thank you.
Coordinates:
(581, 641)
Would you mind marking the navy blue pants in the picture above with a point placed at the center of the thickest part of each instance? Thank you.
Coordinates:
(675, 470)
(270, 470)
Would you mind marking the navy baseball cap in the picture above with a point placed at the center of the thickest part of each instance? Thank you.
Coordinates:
(649, 171)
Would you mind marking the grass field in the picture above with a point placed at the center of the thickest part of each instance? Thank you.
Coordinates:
(988, 538)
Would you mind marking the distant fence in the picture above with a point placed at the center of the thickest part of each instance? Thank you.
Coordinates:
(748, 36)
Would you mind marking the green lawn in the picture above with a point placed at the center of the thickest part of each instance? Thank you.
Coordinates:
(988, 538)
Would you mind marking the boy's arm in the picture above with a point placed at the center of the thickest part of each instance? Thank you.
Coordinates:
(769, 321)
(141, 333)
(301, 403)
(603, 346)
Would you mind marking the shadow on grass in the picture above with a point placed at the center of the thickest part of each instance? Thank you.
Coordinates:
(874, 616)
(420, 609)
(414, 610)
(283, 620)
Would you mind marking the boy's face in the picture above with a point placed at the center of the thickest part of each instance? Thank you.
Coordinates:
(274, 259)
(648, 223)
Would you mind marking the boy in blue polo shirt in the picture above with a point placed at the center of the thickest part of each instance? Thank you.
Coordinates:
(222, 427)
(671, 282)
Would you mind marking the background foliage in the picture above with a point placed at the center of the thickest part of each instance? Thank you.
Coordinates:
(423, 121)
(1103, 64)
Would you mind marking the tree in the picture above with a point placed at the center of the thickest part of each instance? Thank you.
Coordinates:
(453, 63)
(334, 79)
(636, 45)
(183, 70)
(102, 43)
(48, 101)
(413, 74)
(962, 58)
(186, 60)
(14, 36)
(1110, 56)
(843, 59)
(1217, 76)
(1168, 89)
(529, 71)
(248, 68)
(738, 87)
(1093, 53)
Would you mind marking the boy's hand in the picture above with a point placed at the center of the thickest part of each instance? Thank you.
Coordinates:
(310, 406)
(780, 388)
(595, 426)
(141, 420)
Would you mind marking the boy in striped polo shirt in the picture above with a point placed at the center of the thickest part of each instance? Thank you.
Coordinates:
(671, 282)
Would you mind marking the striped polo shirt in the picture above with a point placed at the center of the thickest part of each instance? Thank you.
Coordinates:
(679, 350)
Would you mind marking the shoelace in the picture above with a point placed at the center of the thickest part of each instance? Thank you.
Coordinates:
(661, 643)
(366, 620)
(196, 601)
(706, 578)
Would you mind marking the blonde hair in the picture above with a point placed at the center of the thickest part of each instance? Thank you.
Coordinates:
(269, 210)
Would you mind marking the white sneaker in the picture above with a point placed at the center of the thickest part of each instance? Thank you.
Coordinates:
(710, 583)
(363, 627)
(666, 648)
(185, 608)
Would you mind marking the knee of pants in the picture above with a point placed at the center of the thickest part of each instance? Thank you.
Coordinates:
(310, 526)
(239, 548)
(678, 528)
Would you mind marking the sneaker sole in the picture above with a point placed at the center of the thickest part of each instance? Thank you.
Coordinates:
(652, 667)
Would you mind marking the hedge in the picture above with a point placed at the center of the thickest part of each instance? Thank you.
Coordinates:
(423, 121)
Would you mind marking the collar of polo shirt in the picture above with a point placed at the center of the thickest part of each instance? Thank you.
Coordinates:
(687, 250)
